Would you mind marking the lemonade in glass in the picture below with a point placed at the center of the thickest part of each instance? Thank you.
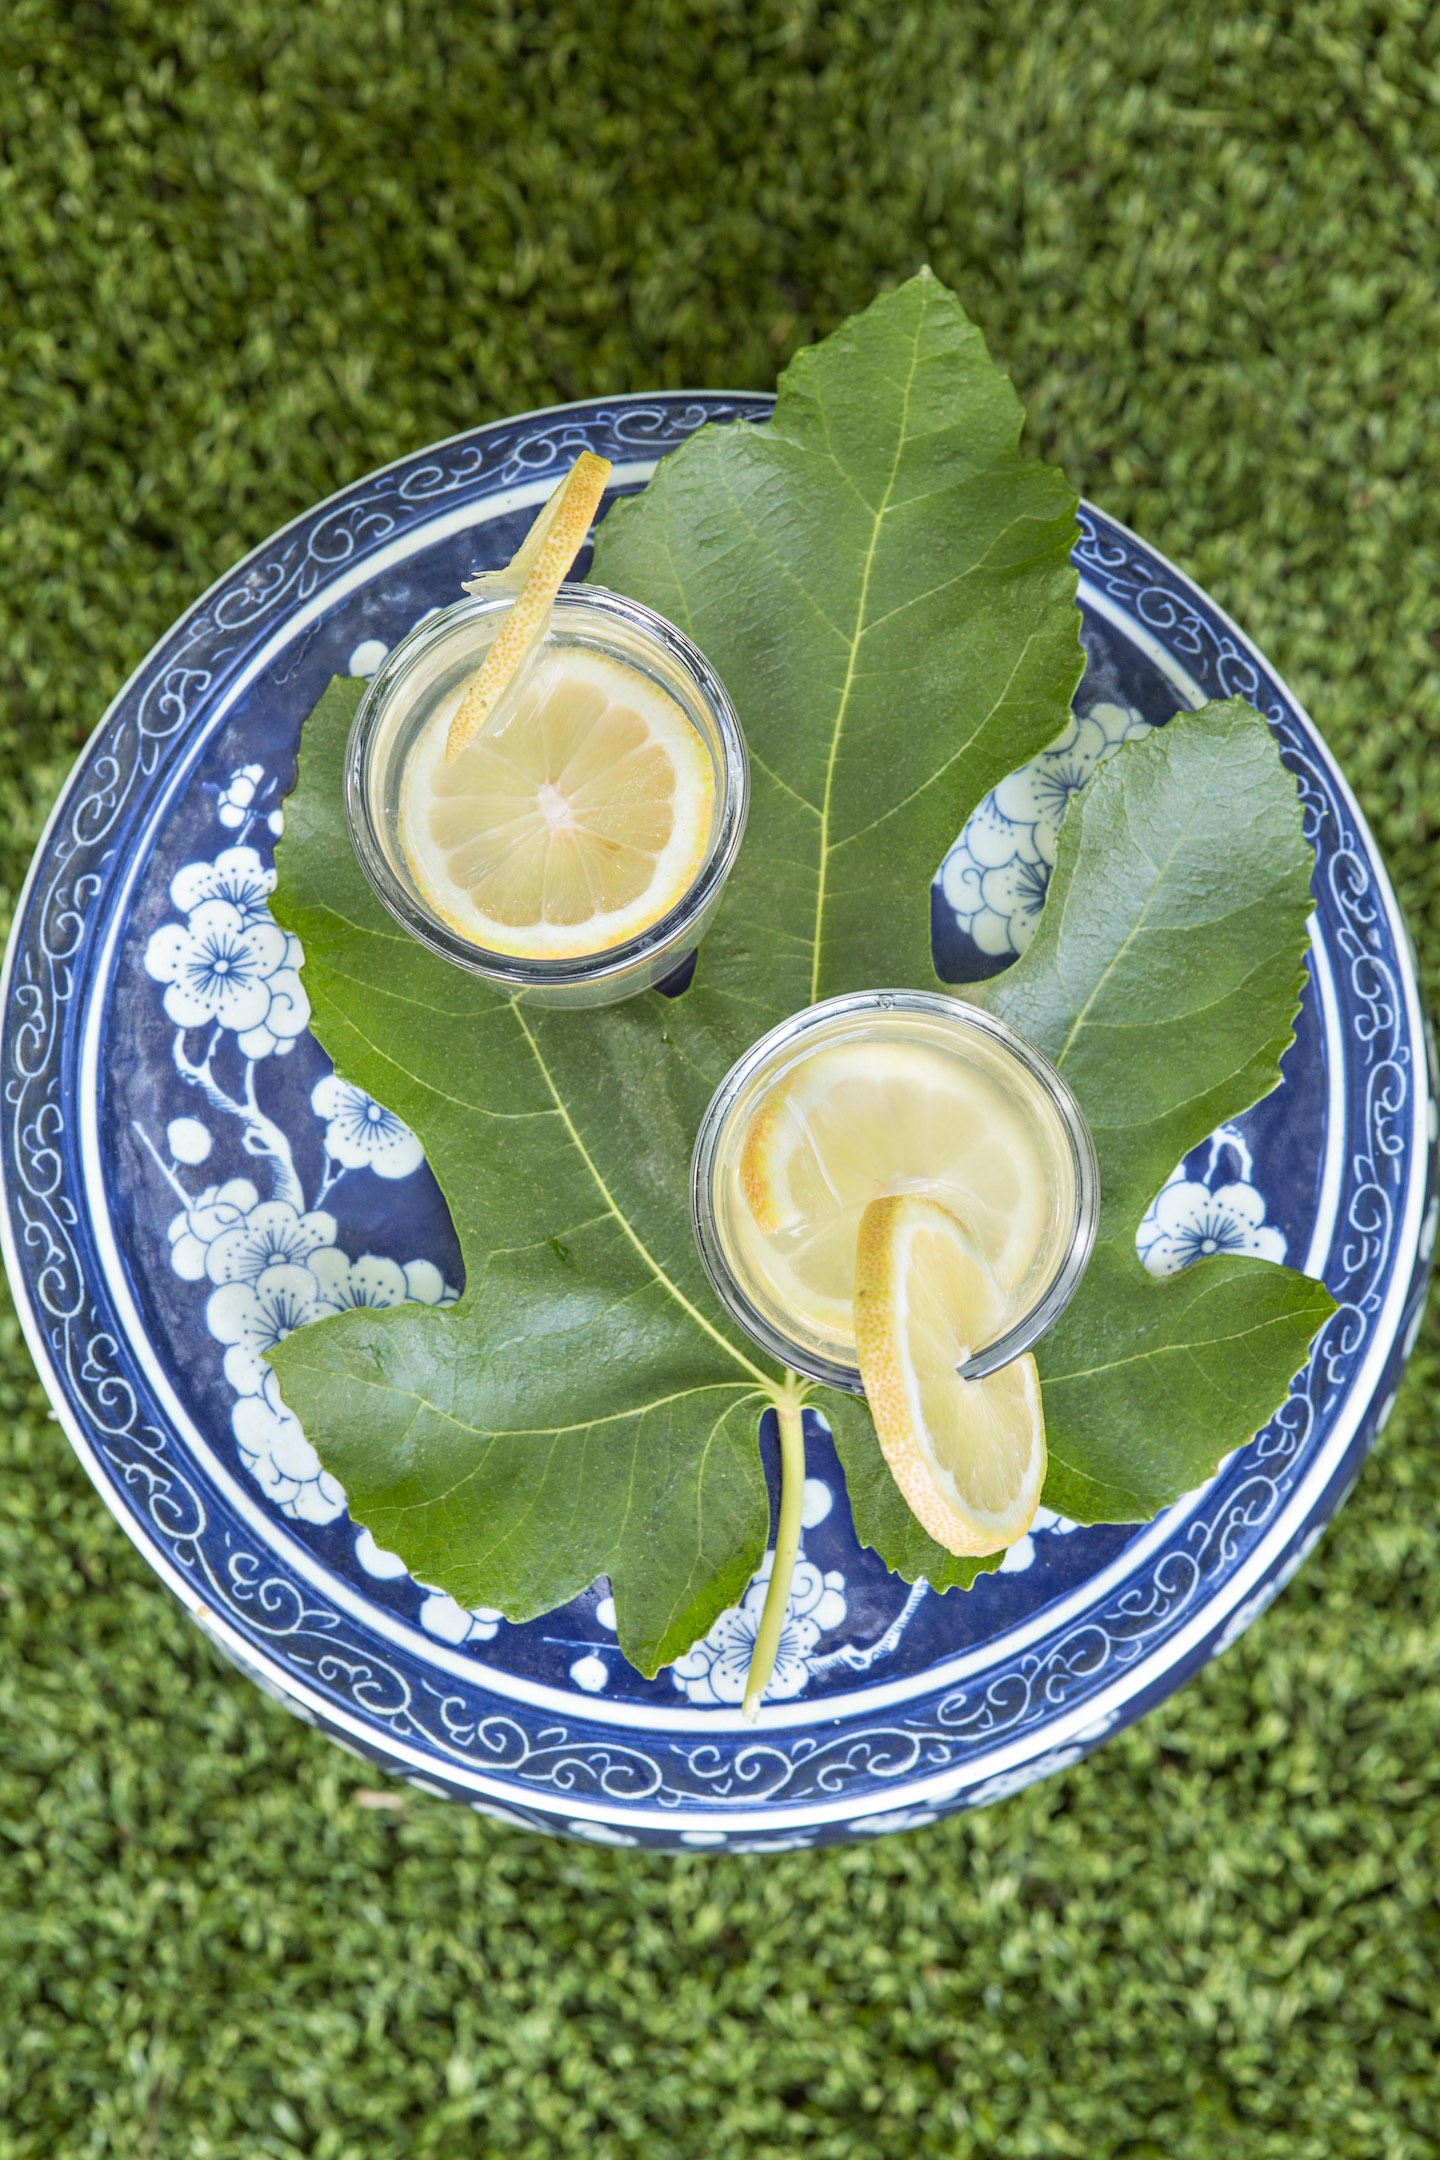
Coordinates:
(576, 853)
(546, 782)
(885, 1094)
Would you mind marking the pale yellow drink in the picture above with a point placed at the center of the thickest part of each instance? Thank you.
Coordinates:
(546, 783)
(858, 1107)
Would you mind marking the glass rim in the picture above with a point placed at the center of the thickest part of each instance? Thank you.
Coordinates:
(508, 970)
(1061, 1286)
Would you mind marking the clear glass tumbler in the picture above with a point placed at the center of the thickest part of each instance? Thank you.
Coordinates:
(749, 1266)
(427, 666)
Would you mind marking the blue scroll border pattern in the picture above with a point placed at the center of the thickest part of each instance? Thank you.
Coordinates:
(811, 1784)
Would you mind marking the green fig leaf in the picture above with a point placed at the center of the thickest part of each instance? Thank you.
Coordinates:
(885, 586)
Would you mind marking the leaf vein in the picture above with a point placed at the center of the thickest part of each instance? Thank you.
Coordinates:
(901, 442)
(622, 1218)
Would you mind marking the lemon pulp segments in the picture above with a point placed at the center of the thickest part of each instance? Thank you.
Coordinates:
(577, 826)
(858, 1119)
(968, 1455)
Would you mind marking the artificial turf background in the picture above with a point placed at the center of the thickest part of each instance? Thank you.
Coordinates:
(250, 249)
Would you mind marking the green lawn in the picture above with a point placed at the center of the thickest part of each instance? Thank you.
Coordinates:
(247, 251)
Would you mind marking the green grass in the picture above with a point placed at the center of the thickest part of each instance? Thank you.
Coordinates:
(247, 251)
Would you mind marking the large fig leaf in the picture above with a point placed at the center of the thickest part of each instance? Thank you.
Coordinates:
(910, 638)
(1163, 980)
(885, 588)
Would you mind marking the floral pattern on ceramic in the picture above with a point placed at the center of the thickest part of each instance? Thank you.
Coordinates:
(439, 1614)
(269, 1262)
(997, 874)
(714, 1672)
(361, 1134)
(915, 1818)
(236, 807)
(1021, 1554)
(1220, 1211)
(441, 1617)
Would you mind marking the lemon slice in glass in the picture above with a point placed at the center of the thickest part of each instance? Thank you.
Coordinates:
(854, 1121)
(968, 1455)
(575, 827)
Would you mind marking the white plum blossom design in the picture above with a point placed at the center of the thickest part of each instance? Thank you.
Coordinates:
(1187, 1222)
(441, 1617)
(367, 657)
(374, 1283)
(275, 1451)
(375, 1560)
(995, 878)
(217, 967)
(996, 875)
(252, 1318)
(1190, 1218)
(272, 1234)
(188, 1140)
(489, 1808)
(237, 796)
(1042, 791)
(273, 1263)
(1021, 1554)
(237, 875)
(599, 1833)
(769, 1844)
(226, 972)
(228, 966)
(361, 1133)
(714, 1672)
(288, 1014)
(194, 1230)
(252, 1313)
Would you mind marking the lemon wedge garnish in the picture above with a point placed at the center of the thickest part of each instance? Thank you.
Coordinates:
(968, 1455)
(535, 572)
(581, 822)
(856, 1120)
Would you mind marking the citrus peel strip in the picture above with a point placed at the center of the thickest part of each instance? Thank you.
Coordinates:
(540, 566)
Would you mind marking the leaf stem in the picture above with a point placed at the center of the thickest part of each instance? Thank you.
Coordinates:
(789, 1412)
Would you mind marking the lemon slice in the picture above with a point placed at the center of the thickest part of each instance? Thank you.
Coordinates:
(577, 826)
(968, 1455)
(854, 1121)
(536, 572)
